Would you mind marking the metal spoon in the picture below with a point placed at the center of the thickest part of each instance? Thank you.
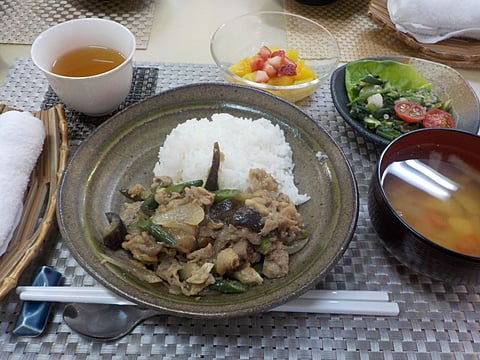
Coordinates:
(107, 322)
(103, 321)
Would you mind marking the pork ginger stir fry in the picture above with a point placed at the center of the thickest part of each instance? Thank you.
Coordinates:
(196, 240)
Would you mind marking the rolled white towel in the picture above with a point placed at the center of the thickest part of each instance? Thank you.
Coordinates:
(21, 142)
(430, 21)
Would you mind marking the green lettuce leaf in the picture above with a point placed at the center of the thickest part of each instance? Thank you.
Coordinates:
(401, 76)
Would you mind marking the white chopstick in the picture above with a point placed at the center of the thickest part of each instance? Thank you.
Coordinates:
(354, 302)
(81, 294)
(346, 307)
(100, 295)
(360, 295)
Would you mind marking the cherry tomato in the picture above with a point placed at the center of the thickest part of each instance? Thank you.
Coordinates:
(409, 111)
(438, 118)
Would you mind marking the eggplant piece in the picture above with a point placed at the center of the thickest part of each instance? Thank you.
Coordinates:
(114, 233)
(248, 217)
(222, 211)
(125, 193)
(211, 184)
(228, 212)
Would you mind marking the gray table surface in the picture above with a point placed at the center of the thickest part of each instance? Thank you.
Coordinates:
(436, 320)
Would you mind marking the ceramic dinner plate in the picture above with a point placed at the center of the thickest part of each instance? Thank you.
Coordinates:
(447, 83)
(123, 151)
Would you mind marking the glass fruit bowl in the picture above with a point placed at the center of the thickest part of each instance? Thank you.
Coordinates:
(237, 42)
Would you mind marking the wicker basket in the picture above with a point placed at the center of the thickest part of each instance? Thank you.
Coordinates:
(455, 52)
(40, 199)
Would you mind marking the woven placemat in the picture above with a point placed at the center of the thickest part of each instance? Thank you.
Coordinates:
(348, 21)
(80, 125)
(22, 21)
(436, 320)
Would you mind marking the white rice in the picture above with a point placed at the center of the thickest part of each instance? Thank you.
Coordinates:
(245, 144)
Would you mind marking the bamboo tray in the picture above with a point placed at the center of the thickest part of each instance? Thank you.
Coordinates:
(455, 52)
(40, 199)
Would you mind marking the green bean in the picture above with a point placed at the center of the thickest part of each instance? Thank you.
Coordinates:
(258, 267)
(181, 187)
(227, 286)
(265, 246)
(226, 194)
(149, 204)
(158, 232)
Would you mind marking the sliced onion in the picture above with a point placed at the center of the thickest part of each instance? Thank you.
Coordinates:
(189, 213)
(134, 268)
(296, 246)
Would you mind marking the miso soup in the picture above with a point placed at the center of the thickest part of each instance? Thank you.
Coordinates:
(439, 199)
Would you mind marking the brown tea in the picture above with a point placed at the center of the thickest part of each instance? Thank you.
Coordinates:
(87, 61)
